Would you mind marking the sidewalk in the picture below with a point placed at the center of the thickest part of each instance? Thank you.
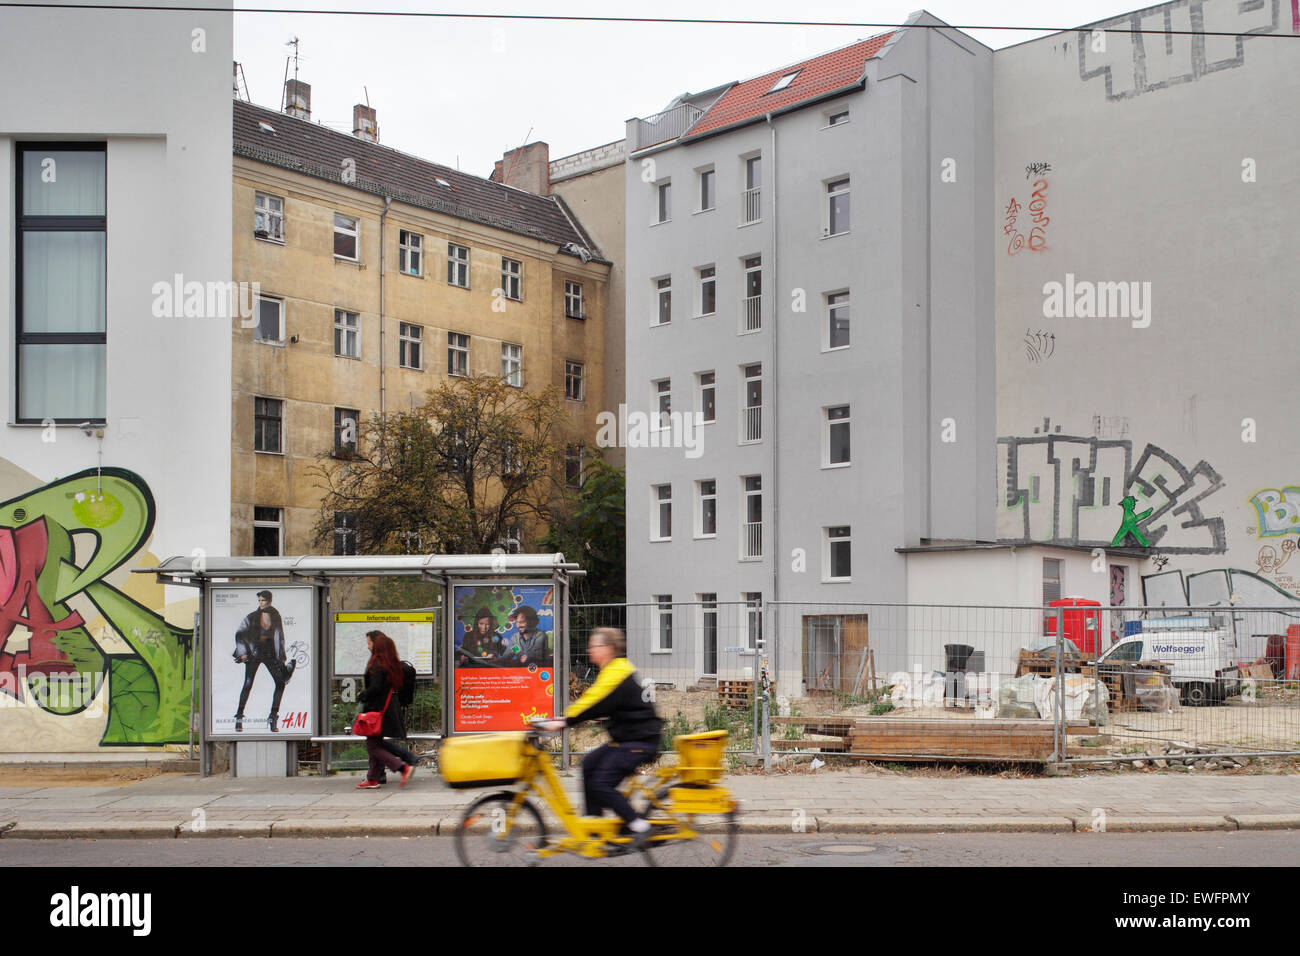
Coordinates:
(842, 801)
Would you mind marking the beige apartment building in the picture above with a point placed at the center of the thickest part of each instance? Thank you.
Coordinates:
(380, 274)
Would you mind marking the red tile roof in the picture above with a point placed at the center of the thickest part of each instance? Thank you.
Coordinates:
(818, 76)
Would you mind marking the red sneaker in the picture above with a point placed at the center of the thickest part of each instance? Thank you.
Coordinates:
(407, 771)
(369, 785)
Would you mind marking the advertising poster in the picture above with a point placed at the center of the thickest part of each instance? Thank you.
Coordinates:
(504, 662)
(260, 653)
(411, 631)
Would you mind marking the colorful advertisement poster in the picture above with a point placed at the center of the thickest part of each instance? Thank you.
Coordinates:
(262, 640)
(411, 631)
(504, 662)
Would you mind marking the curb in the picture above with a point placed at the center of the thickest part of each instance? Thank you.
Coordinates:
(369, 828)
(851, 824)
(1266, 821)
(225, 828)
(112, 830)
(1155, 824)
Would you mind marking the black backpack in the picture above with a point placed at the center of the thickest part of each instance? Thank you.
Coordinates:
(406, 695)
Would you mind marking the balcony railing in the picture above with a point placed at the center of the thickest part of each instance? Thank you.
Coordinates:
(663, 127)
(753, 424)
(751, 313)
(753, 544)
(751, 206)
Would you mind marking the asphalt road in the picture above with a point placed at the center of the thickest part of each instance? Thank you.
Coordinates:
(1210, 849)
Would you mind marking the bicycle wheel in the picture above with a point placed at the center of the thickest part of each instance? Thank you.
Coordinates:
(714, 844)
(494, 832)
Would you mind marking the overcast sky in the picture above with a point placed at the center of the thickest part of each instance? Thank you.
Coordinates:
(461, 91)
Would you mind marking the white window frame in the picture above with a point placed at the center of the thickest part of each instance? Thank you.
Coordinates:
(663, 616)
(700, 281)
(458, 354)
(700, 498)
(661, 400)
(827, 543)
(277, 524)
(663, 202)
(751, 266)
(829, 195)
(512, 364)
(257, 329)
(343, 230)
(410, 337)
(575, 372)
(263, 206)
(702, 176)
(662, 290)
(785, 81)
(512, 279)
(457, 265)
(831, 115)
(829, 318)
(746, 494)
(573, 300)
(661, 506)
(706, 604)
(828, 425)
(346, 535)
(351, 331)
(745, 379)
(751, 196)
(753, 605)
(700, 386)
(408, 251)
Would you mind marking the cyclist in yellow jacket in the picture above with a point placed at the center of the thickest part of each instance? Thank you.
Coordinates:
(635, 729)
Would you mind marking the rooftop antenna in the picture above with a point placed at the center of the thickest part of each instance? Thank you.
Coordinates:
(284, 88)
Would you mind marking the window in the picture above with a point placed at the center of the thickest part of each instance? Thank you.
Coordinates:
(751, 421)
(663, 402)
(708, 290)
(837, 436)
(268, 425)
(665, 194)
(270, 320)
(573, 300)
(706, 512)
(837, 207)
(754, 614)
(838, 555)
(409, 252)
(512, 364)
(752, 313)
(458, 354)
(785, 81)
(62, 291)
(345, 432)
(458, 265)
(709, 630)
(707, 191)
(661, 516)
(665, 293)
(268, 218)
(751, 518)
(751, 206)
(837, 320)
(511, 279)
(837, 117)
(707, 409)
(573, 465)
(573, 385)
(346, 536)
(347, 334)
(664, 630)
(410, 344)
(347, 237)
(1051, 580)
(268, 532)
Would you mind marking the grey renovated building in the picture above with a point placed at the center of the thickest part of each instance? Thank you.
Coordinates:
(810, 277)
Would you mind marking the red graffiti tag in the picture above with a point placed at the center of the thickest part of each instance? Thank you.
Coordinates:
(1038, 209)
(1009, 228)
(23, 553)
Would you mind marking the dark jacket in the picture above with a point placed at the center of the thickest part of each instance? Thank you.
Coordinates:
(248, 642)
(617, 695)
(372, 698)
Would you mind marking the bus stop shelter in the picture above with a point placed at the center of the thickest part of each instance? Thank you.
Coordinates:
(269, 636)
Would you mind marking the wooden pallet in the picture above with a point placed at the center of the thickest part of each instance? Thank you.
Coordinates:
(736, 693)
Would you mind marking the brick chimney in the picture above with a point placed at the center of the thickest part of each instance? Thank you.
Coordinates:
(364, 123)
(297, 99)
(528, 168)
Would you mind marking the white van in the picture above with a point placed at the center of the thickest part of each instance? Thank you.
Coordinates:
(1202, 659)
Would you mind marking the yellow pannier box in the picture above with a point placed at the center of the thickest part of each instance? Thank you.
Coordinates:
(700, 800)
(701, 756)
(482, 760)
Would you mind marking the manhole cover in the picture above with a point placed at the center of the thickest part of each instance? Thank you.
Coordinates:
(848, 848)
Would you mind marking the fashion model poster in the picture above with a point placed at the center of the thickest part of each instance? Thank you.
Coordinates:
(504, 661)
(261, 644)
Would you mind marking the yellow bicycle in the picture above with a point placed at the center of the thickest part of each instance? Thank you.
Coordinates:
(693, 818)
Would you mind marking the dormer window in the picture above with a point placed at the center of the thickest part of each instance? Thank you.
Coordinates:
(785, 81)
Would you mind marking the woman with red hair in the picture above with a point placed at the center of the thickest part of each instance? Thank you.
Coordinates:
(383, 681)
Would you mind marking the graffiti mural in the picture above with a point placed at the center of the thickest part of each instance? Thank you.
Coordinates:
(1278, 510)
(1039, 345)
(1066, 489)
(1226, 587)
(1174, 48)
(1038, 220)
(58, 544)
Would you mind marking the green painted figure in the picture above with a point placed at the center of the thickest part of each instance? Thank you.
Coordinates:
(1129, 526)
